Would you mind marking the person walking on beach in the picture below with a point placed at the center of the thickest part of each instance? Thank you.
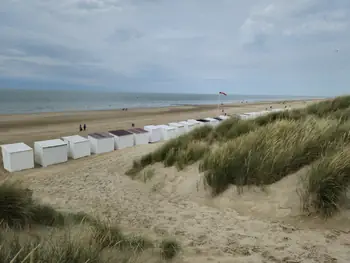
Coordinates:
(84, 127)
(80, 128)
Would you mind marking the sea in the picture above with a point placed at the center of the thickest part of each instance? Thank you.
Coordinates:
(13, 101)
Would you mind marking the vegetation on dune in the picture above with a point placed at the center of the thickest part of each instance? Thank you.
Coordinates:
(327, 182)
(270, 153)
(263, 150)
(98, 242)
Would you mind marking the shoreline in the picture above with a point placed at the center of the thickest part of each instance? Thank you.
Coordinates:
(179, 106)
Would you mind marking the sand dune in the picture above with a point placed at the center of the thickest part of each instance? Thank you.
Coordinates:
(226, 229)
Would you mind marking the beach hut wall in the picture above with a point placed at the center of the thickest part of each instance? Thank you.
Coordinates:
(78, 146)
(195, 122)
(50, 152)
(155, 133)
(101, 142)
(122, 139)
(180, 128)
(17, 157)
(168, 132)
(189, 126)
(223, 117)
(141, 136)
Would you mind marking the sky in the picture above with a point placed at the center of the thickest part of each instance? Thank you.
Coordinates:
(273, 47)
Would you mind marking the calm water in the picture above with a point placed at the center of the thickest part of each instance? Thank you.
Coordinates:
(29, 101)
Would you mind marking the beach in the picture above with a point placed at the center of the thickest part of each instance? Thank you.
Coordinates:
(259, 226)
(32, 127)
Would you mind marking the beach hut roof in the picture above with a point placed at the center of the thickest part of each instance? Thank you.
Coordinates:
(151, 127)
(166, 127)
(137, 130)
(75, 138)
(202, 120)
(16, 147)
(100, 135)
(120, 132)
(51, 143)
(210, 119)
(177, 124)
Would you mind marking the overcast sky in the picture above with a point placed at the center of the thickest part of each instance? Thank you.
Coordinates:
(296, 47)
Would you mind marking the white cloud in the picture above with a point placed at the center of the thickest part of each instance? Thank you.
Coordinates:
(184, 41)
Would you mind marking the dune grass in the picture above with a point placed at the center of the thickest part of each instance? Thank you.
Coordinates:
(270, 153)
(327, 183)
(98, 242)
(172, 152)
(261, 151)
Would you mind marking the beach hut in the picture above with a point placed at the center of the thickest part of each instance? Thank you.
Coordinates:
(78, 146)
(101, 142)
(155, 133)
(203, 121)
(277, 110)
(122, 139)
(189, 126)
(223, 117)
(17, 157)
(243, 116)
(168, 132)
(195, 122)
(50, 152)
(212, 121)
(180, 128)
(141, 136)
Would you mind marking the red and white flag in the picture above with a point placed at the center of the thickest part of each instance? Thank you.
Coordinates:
(223, 93)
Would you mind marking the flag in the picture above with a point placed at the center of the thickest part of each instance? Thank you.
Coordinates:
(223, 93)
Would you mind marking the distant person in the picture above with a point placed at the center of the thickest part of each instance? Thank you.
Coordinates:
(270, 107)
(133, 125)
(84, 127)
(80, 128)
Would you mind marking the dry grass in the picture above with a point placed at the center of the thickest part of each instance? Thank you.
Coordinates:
(264, 150)
(23, 238)
(327, 182)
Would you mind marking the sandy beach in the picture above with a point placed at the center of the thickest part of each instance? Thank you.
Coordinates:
(258, 226)
(41, 126)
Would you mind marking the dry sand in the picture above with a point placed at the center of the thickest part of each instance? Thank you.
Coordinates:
(258, 226)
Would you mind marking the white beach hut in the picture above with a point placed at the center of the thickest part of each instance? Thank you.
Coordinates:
(168, 132)
(180, 128)
(243, 116)
(17, 157)
(277, 110)
(195, 123)
(50, 152)
(78, 146)
(189, 126)
(101, 142)
(141, 136)
(212, 121)
(203, 122)
(223, 117)
(251, 115)
(122, 139)
(155, 133)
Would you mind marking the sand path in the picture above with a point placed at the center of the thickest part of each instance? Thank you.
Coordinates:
(174, 204)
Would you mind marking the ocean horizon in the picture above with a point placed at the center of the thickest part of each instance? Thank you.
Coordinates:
(16, 101)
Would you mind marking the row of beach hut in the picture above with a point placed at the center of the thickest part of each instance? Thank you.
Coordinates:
(19, 156)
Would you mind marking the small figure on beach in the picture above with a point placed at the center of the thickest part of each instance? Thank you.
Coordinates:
(270, 107)
(80, 128)
(84, 127)
(133, 125)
